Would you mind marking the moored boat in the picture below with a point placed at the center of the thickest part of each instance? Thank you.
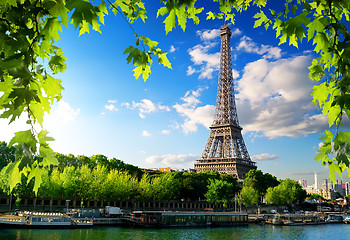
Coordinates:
(185, 219)
(335, 219)
(298, 219)
(278, 220)
(28, 219)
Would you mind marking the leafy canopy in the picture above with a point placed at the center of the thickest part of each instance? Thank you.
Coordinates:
(29, 60)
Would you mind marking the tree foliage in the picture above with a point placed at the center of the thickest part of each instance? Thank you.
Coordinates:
(260, 181)
(220, 191)
(248, 196)
(7, 154)
(30, 58)
(287, 192)
(315, 197)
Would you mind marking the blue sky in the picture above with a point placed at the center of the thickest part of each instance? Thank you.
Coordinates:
(165, 121)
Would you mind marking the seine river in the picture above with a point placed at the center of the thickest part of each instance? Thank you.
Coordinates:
(327, 232)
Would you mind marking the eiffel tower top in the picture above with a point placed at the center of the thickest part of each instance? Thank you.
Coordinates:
(225, 109)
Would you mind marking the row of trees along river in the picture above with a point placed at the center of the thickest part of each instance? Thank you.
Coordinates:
(99, 178)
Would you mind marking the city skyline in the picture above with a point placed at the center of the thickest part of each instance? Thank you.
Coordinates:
(165, 121)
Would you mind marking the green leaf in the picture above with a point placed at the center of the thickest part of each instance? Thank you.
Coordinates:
(169, 21)
(10, 3)
(148, 42)
(321, 42)
(333, 115)
(53, 88)
(43, 138)
(14, 174)
(134, 54)
(51, 29)
(25, 137)
(181, 17)
(211, 15)
(59, 9)
(145, 70)
(38, 111)
(342, 138)
(332, 169)
(261, 19)
(162, 59)
(162, 11)
(36, 173)
(84, 27)
(321, 93)
(314, 26)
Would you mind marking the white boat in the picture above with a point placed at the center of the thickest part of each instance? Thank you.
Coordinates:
(28, 219)
(82, 222)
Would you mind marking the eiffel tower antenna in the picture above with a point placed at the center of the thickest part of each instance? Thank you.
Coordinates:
(225, 150)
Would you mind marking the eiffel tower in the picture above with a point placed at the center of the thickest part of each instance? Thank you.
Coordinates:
(225, 150)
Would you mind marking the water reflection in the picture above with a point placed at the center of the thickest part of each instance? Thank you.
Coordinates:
(328, 231)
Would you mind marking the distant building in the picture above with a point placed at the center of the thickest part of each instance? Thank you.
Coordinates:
(325, 189)
(165, 170)
(327, 184)
(339, 187)
(327, 194)
(303, 183)
(316, 183)
(347, 188)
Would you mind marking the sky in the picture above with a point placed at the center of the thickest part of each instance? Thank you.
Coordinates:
(164, 122)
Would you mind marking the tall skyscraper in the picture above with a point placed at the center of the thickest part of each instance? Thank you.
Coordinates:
(316, 183)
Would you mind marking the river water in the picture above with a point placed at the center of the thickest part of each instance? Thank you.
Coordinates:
(253, 231)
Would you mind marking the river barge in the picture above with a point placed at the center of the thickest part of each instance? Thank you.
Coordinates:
(298, 219)
(159, 219)
(28, 219)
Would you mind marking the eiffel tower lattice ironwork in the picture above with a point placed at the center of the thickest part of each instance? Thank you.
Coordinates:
(225, 150)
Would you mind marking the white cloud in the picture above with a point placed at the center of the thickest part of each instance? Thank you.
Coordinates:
(125, 104)
(166, 131)
(236, 32)
(207, 35)
(62, 113)
(175, 125)
(211, 34)
(200, 56)
(146, 106)
(7, 130)
(111, 107)
(193, 114)
(172, 49)
(181, 160)
(190, 70)
(264, 157)
(235, 74)
(274, 98)
(145, 133)
(246, 44)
